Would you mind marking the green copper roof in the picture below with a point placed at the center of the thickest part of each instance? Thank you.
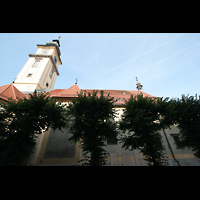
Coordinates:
(54, 44)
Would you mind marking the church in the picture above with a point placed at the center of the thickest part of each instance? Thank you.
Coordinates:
(53, 148)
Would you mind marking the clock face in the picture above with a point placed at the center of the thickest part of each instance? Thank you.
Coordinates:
(45, 51)
(55, 60)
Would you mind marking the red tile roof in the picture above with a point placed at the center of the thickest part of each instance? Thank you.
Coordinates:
(70, 92)
(8, 91)
(117, 94)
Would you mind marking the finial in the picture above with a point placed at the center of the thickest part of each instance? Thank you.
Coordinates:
(139, 85)
(57, 41)
(76, 81)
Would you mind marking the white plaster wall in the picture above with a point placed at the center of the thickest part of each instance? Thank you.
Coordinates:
(53, 80)
(119, 112)
(40, 51)
(21, 77)
(40, 70)
(26, 88)
(45, 76)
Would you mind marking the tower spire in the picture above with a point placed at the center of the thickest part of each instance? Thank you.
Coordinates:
(139, 85)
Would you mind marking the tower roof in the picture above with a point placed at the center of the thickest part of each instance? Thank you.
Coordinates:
(57, 40)
(56, 44)
(8, 91)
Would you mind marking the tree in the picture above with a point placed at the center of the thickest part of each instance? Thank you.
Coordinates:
(89, 122)
(186, 114)
(20, 122)
(140, 124)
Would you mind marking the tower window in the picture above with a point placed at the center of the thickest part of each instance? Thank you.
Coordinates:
(45, 51)
(177, 141)
(55, 60)
(51, 73)
(29, 75)
(47, 84)
(111, 141)
(37, 60)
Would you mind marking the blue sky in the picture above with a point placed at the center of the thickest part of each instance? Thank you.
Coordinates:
(166, 64)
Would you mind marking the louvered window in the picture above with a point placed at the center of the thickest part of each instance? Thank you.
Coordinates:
(36, 62)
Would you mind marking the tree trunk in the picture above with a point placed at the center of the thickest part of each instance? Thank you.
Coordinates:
(155, 163)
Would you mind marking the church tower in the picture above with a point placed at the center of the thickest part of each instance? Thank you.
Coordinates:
(41, 69)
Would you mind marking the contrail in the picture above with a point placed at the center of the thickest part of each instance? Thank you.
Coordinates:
(154, 64)
(134, 58)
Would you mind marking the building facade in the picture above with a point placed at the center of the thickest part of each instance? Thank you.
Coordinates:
(53, 148)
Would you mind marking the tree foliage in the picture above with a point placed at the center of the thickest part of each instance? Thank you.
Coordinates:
(185, 112)
(89, 122)
(20, 122)
(140, 124)
(89, 119)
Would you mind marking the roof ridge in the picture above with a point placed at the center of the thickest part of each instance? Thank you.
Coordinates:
(70, 88)
(112, 89)
(13, 91)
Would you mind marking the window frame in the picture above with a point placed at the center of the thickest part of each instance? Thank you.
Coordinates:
(36, 62)
(112, 141)
(177, 141)
(29, 75)
(51, 73)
